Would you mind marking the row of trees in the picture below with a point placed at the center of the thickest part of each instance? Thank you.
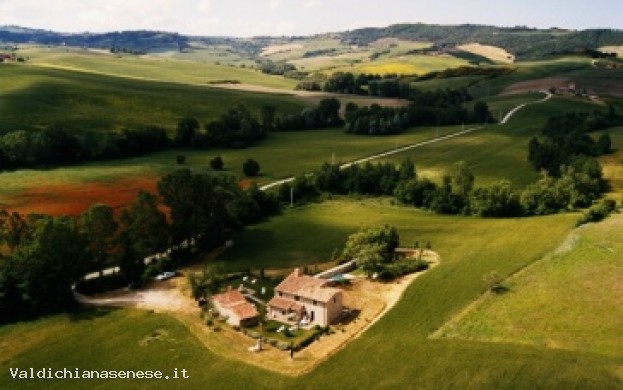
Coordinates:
(236, 128)
(55, 145)
(377, 120)
(45, 255)
(576, 187)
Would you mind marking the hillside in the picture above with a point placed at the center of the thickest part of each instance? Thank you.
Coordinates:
(522, 42)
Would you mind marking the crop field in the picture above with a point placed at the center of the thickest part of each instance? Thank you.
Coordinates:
(152, 67)
(412, 64)
(34, 97)
(493, 53)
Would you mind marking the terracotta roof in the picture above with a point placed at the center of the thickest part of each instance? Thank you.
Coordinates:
(307, 287)
(229, 298)
(234, 300)
(284, 304)
(245, 310)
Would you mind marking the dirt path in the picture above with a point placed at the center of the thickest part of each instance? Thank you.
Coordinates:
(512, 112)
(164, 296)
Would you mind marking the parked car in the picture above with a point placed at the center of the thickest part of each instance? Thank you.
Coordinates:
(165, 276)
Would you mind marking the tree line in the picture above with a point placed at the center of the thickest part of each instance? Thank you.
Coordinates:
(430, 108)
(43, 256)
(235, 128)
(576, 186)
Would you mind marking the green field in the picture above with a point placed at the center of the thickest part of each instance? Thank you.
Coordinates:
(469, 248)
(153, 67)
(587, 273)
(496, 151)
(34, 97)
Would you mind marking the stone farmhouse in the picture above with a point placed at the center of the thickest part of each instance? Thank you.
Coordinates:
(305, 300)
(232, 305)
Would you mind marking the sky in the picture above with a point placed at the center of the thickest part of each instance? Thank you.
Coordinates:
(245, 18)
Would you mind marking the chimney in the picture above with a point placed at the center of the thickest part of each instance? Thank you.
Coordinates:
(296, 272)
(229, 288)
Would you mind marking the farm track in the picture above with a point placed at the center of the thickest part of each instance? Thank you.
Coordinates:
(416, 145)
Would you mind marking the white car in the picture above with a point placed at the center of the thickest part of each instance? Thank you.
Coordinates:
(165, 276)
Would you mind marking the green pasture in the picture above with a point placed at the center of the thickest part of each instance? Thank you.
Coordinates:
(152, 67)
(570, 301)
(495, 151)
(34, 97)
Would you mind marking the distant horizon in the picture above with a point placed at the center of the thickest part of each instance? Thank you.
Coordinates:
(300, 35)
(249, 18)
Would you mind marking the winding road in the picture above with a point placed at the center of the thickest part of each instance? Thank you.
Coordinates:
(506, 118)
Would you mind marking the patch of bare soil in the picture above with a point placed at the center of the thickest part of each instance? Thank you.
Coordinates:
(535, 85)
(315, 97)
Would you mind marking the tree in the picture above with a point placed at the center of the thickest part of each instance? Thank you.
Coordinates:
(251, 168)
(217, 163)
(53, 258)
(187, 129)
(462, 178)
(604, 144)
(199, 205)
(407, 170)
(498, 200)
(144, 232)
(268, 117)
(99, 226)
(372, 245)
(13, 228)
(329, 112)
(481, 113)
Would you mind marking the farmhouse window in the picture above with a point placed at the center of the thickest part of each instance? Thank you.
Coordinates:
(297, 298)
(315, 303)
(280, 294)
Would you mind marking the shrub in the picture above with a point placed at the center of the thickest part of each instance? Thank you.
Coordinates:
(598, 212)
(272, 326)
(217, 163)
(251, 168)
